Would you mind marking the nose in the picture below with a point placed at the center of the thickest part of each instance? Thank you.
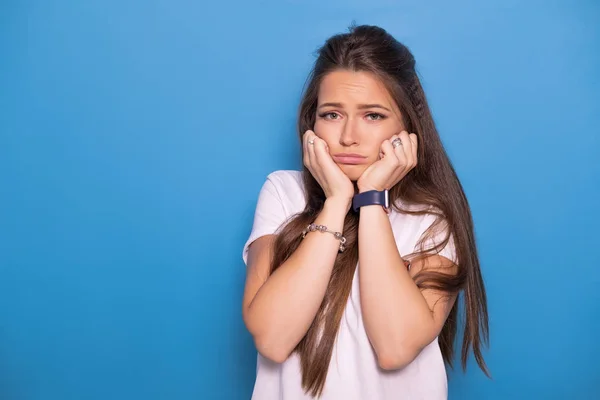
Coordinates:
(349, 134)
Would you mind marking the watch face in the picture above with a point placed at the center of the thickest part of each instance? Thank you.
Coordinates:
(386, 193)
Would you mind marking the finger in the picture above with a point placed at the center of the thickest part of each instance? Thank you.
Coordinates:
(410, 148)
(389, 154)
(398, 149)
(310, 154)
(415, 147)
(407, 148)
(312, 159)
(304, 148)
(305, 156)
(321, 152)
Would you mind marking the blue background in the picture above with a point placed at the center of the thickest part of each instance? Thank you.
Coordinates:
(135, 136)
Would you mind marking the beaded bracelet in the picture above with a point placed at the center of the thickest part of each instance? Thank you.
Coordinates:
(323, 228)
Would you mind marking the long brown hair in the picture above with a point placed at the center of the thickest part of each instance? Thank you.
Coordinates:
(433, 183)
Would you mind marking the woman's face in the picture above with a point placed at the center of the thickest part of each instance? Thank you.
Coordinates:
(355, 114)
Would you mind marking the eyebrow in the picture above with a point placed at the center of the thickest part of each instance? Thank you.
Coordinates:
(360, 106)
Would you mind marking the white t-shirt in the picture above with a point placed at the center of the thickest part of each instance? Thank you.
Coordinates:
(353, 371)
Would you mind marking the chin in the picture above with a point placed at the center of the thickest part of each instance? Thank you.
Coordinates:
(352, 171)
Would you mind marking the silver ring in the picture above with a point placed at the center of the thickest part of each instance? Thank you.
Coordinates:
(311, 141)
(396, 142)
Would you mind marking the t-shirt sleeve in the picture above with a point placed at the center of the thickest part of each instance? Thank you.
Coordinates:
(437, 236)
(269, 214)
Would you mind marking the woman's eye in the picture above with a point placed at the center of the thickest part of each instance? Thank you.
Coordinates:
(375, 116)
(329, 115)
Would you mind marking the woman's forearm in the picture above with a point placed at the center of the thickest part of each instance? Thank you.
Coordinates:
(396, 316)
(286, 304)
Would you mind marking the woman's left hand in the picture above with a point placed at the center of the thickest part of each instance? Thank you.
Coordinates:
(394, 164)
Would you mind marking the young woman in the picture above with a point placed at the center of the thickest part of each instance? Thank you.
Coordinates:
(354, 264)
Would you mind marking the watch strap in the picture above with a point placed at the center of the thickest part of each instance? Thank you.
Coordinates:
(371, 197)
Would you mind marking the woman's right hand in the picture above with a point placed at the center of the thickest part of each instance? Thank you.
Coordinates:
(327, 173)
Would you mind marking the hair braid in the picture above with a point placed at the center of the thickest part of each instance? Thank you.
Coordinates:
(415, 93)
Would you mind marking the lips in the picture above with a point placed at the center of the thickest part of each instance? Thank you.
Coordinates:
(349, 158)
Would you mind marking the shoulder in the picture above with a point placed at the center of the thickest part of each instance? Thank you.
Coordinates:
(416, 221)
(289, 186)
(421, 213)
(426, 231)
(286, 178)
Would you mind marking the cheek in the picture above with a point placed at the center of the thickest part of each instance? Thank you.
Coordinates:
(320, 128)
(374, 144)
(325, 131)
(385, 132)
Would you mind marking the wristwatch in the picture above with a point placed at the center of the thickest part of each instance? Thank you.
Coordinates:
(372, 197)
